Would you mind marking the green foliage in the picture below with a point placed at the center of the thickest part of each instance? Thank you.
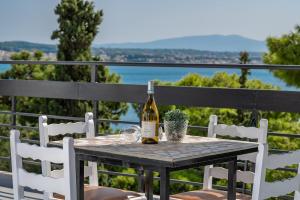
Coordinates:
(28, 72)
(285, 50)
(78, 26)
(128, 183)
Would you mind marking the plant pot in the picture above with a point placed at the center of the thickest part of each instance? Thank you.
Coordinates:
(175, 131)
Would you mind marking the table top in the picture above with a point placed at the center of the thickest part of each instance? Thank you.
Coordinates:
(193, 149)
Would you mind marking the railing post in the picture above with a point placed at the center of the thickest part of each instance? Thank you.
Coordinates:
(13, 111)
(94, 79)
(13, 122)
(140, 174)
(254, 118)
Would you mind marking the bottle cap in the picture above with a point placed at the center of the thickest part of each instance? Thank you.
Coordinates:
(150, 87)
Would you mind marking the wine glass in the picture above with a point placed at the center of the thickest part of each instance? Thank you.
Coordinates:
(130, 134)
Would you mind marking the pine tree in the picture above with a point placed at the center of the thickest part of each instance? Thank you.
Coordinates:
(78, 26)
(244, 59)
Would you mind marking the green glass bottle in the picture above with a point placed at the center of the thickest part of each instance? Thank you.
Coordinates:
(150, 118)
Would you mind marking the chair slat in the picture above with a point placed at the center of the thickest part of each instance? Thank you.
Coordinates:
(88, 171)
(54, 155)
(41, 183)
(68, 128)
(275, 161)
(280, 188)
(60, 172)
(242, 176)
(237, 131)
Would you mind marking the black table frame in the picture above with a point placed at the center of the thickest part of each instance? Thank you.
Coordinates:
(164, 170)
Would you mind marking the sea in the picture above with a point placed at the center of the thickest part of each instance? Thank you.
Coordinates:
(141, 75)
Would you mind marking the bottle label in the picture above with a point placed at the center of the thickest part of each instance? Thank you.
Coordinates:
(148, 129)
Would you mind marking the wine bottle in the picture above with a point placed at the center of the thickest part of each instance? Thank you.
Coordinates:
(150, 118)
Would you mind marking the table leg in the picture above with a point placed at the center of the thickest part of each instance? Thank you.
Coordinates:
(141, 181)
(232, 167)
(80, 178)
(149, 184)
(164, 184)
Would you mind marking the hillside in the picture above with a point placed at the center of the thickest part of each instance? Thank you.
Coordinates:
(231, 43)
(29, 46)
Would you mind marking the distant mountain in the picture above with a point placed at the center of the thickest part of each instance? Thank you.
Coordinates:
(231, 43)
(29, 46)
(214, 43)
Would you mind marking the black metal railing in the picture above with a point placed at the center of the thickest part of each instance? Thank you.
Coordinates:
(246, 99)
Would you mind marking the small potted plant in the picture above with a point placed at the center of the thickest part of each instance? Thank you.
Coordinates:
(175, 125)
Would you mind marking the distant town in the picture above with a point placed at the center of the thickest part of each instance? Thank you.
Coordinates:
(134, 54)
(172, 55)
(156, 55)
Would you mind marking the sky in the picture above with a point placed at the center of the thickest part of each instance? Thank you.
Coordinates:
(148, 20)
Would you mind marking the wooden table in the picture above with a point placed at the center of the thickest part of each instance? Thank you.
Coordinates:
(163, 158)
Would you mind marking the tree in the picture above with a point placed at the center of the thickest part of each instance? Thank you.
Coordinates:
(78, 27)
(285, 50)
(244, 59)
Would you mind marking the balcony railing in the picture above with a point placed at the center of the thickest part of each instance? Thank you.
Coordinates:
(245, 99)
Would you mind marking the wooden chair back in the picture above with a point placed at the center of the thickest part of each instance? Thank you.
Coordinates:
(263, 189)
(65, 185)
(47, 130)
(215, 129)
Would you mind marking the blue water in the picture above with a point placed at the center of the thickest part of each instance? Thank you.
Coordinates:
(4, 67)
(141, 75)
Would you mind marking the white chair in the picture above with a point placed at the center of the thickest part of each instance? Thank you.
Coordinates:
(263, 189)
(65, 185)
(210, 171)
(48, 130)
(87, 127)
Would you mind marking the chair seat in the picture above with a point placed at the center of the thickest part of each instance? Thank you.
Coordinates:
(103, 193)
(208, 195)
